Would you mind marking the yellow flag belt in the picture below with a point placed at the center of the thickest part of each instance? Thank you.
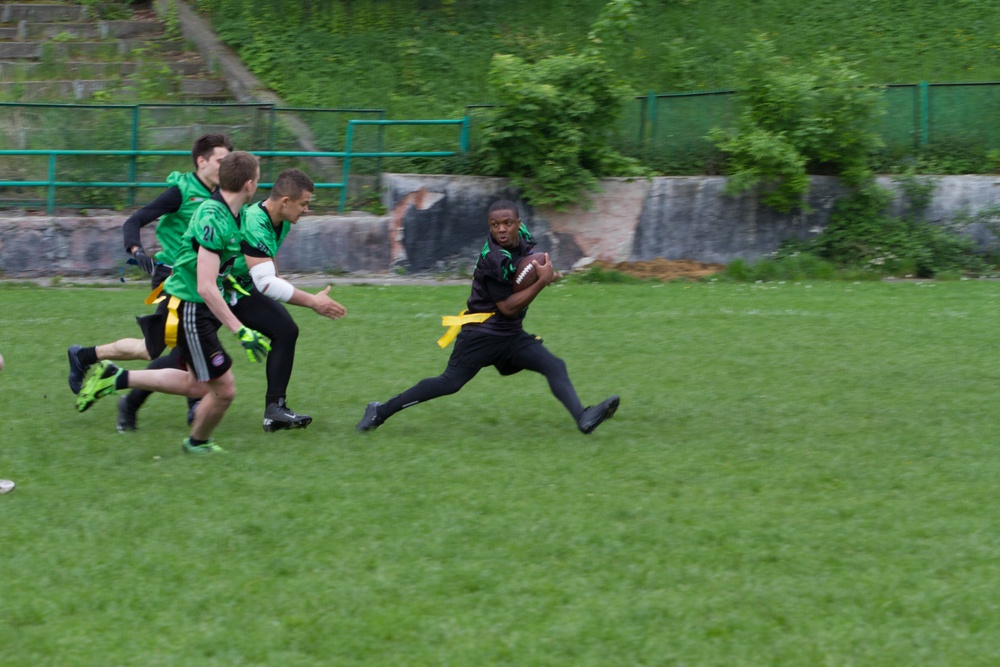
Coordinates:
(154, 295)
(455, 322)
(170, 330)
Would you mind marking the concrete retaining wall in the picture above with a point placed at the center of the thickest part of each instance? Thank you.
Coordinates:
(438, 224)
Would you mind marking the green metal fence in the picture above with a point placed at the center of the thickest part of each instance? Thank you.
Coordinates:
(74, 156)
(917, 116)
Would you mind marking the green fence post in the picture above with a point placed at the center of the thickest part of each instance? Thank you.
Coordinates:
(132, 167)
(271, 130)
(652, 116)
(924, 113)
(648, 119)
(463, 140)
(345, 176)
(380, 147)
(51, 201)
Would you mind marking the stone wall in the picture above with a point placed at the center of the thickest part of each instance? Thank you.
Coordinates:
(33, 246)
(437, 223)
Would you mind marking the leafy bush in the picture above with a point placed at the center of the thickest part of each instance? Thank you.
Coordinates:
(795, 120)
(862, 234)
(597, 274)
(794, 266)
(552, 134)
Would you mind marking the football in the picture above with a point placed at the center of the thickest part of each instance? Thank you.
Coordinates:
(525, 274)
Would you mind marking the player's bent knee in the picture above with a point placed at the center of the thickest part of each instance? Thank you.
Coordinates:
(223, 388)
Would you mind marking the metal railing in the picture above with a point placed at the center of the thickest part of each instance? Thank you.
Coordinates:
(52, 182)
(917, 115)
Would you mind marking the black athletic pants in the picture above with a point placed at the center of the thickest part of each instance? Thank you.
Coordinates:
(533, 357)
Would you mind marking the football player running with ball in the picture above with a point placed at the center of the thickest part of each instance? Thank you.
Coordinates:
(492, 332)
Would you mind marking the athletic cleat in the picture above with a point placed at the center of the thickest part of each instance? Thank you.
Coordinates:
(207, 448)
(99, 384)
(370, 421)
(192, 409)
(77, 369)
(126, 416)
(279, 416)
(595, 414)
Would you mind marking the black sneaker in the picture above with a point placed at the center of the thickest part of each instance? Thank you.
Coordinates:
(370, 421)
(126, 416)
(77, 369)
(278, 416)
(192, 408)
(595, 414)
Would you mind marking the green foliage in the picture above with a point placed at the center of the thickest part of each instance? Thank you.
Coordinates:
(864, 240)
(551, 134)
(986, 221)
(791, 266)
(863, 234)
(761, 157)
(368, 200)
(797, 119)
(109, 10)
(64, 36)
(599, 275)
(431, 58)
(171, 21)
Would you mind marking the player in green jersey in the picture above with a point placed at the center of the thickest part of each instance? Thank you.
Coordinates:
(256, 295)
(172, 209)
(261, 291)
(195, 309)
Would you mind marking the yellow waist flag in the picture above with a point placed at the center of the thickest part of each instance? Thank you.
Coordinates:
(170, 331)
(455, 322)
(152, 298)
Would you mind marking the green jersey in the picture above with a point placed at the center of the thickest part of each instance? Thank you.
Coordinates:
(260, 239)
(171, 227)
(215, 228)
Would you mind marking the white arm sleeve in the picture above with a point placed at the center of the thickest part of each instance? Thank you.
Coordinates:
(269, 284)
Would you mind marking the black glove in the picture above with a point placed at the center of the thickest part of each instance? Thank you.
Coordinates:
(143, 261)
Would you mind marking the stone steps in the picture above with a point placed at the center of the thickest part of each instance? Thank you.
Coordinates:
(83, 89)
(51, 52)
(36, 71)
(14, 12)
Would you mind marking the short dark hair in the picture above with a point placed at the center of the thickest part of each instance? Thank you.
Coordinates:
(236, 169)
(206, 144)
(291, 183)
(503, 205)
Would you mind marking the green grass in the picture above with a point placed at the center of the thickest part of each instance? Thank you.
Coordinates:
(800, 474)
(430, 59)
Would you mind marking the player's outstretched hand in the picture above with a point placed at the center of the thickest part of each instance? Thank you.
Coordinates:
(254, 343)
(143, 261)
(326, 306)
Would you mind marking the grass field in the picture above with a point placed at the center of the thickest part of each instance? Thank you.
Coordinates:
(799, 474)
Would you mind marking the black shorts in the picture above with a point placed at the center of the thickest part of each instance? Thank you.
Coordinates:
(153, 330)
(474, 349)
(153, 325)
(197, 338)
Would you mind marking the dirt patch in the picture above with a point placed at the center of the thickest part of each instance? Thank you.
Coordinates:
(663, 269)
